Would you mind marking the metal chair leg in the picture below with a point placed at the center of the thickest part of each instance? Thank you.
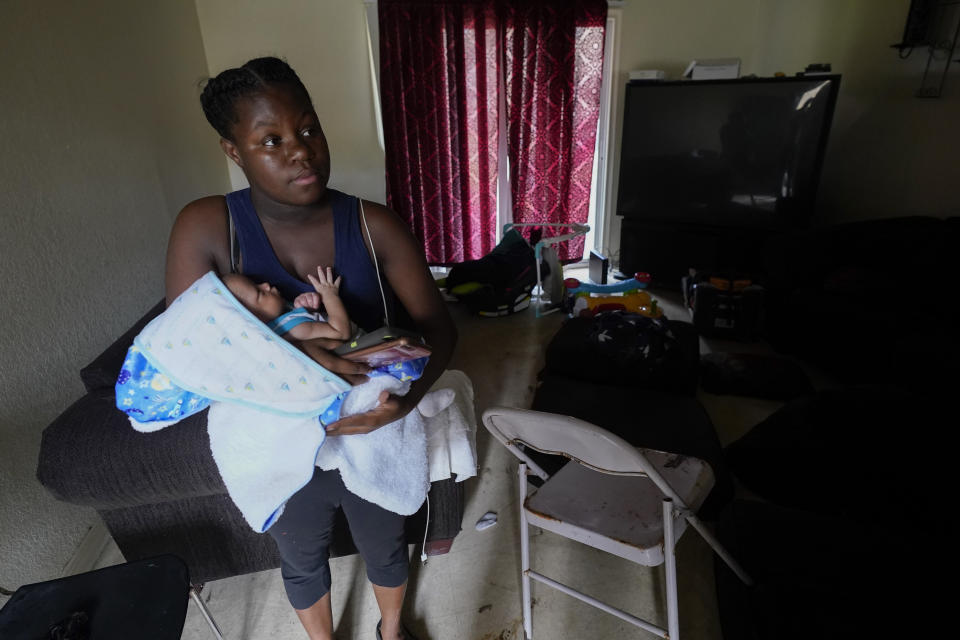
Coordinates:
(670, 564)
(525, 557)
(195, 590)
(718, 548)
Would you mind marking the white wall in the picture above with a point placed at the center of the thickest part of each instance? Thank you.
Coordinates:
(103, 142)
(326, 44)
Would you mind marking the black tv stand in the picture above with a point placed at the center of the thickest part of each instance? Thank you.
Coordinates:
(669, 250)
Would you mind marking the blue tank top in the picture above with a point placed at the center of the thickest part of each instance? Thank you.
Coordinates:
(358, 289)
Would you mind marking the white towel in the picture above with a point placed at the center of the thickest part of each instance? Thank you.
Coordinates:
(263, 458)
(394, 465)
(451, 430)
(387, 466)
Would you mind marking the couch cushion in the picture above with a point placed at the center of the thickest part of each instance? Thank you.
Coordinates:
(90, 455)
(868, 453)
(753, 375)
(869, 301)
(103, 371)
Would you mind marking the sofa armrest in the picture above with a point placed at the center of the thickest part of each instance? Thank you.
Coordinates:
(91, 455)
(102, 372)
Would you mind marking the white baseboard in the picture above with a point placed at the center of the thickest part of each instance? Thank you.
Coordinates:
(88, 551)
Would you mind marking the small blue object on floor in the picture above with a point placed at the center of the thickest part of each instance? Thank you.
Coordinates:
(146, 599)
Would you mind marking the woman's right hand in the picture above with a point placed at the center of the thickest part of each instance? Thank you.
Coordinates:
(321, 350)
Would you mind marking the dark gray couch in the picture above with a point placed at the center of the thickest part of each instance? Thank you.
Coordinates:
(869, 301)
(161, 492)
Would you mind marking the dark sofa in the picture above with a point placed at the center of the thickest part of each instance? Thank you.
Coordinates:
(870, 301)
(161, 492)
(847, 531)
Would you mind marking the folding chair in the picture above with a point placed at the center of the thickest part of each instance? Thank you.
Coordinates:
(636, 507)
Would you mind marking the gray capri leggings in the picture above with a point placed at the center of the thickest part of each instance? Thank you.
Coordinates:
(303, 536)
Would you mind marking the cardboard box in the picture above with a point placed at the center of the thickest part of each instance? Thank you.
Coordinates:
(717, 69)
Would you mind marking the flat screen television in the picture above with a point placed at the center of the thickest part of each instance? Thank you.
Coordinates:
(742, 153)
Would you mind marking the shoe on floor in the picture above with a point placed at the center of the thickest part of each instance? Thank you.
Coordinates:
(406, 632)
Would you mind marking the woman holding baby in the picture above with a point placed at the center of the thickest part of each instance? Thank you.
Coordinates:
(278, 231)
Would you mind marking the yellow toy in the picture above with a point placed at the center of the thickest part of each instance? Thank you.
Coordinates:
(637, 301)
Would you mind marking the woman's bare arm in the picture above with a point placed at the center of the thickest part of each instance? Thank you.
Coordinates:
(402, 261)
(198, 243)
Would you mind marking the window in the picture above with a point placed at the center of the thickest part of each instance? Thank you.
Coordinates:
(599, 203)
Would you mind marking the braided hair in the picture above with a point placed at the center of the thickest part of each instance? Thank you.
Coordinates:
(220, 94)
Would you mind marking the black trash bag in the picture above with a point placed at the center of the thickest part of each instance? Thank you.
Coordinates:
(627, 349)
(76, 626)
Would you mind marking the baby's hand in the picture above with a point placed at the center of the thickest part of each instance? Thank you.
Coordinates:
(309, 300)
(324, 282)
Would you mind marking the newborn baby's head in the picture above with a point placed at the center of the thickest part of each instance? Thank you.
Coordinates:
(263, 300)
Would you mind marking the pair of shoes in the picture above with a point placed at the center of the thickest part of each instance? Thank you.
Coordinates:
(406, 632)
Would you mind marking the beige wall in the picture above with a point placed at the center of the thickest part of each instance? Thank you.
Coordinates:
(103, 142)
(890, 153)
(326, 44)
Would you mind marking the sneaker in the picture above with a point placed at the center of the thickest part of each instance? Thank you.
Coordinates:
(406, 632)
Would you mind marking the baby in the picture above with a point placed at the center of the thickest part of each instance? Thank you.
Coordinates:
(303, 322)
(266, 303)
(153, 400)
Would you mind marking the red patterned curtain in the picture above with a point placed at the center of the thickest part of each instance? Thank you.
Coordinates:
(438, 80)
(554, 62)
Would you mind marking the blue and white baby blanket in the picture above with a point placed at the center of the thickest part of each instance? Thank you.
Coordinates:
(263, 371)
(208, 348)
(267, 399)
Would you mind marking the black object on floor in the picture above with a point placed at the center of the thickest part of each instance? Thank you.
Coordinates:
(869, 301)
(868, 453)
(650, 353)
(599, 265)
(724, 307)
(753, 375)
(406, 632)
(146, 599)
(854, 537)
(828, 577)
